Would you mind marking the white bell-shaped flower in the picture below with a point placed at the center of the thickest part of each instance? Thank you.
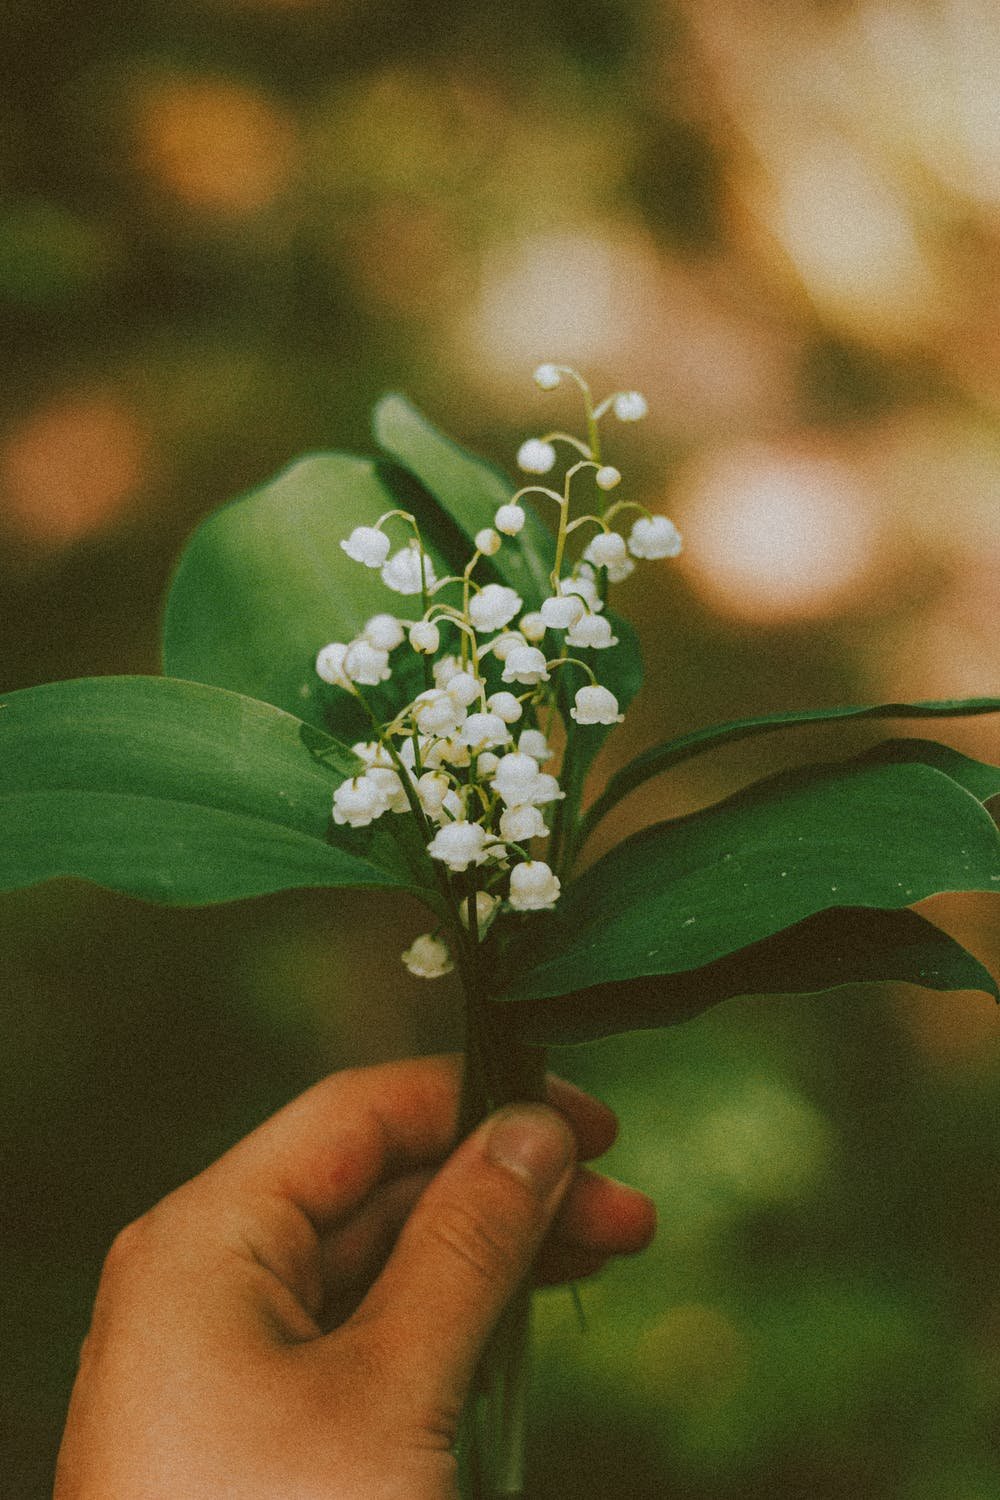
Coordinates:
(584, 585)
(402, 572)
(427, 957)
(368, 545)
(533, 742)
(654, 537)
(487, 763)
(606, 549)
(525, 664)
(509, 519)
(515, 777)
(461, 844)
(446, 750)
(533, 887)
(618, 572)
(595, 705)
(330, 664)
(536, 456)
(391, 786)
(547, 377)
(629, 406)
(432, 789)
(487, 542)
(506, 705)
(444, 669)
(593, 631)
(562, 610)
(502, 645)
(545, 788)
(484, 732)
(493, 607)
(532, 626)
(384, 632)
(435, 711)
(465, 688)
(365, 664)
(373, 753)
(522, 822)
(425, 637)
(359, 802)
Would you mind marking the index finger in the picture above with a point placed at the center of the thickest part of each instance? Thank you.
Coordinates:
(328, 1149)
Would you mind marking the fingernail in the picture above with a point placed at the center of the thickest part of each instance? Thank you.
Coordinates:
(532, 1142)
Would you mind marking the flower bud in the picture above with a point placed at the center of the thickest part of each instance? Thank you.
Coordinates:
(595, 705)
(330, 664)
(506, 705)
(629, 406)
(427, 957)
(533, 887)
(384, 632)
(532, 626)
(425, 637)
(607, 477)
(432, 789)
(486, 906)
(464, 687)
(547, 377)
(509, 519)
(536, 456)
(533, 742)
(503, 645)
(487, 541)
(368, 545)
(493, 607)
(654, 537)
(444, 670)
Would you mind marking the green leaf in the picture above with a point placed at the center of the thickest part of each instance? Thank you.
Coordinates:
(693, 890)
(169, 790)
(469, 489)
(660, 758)
(845, 945)
(264, 584)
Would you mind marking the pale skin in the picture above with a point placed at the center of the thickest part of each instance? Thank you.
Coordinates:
(304, 1318)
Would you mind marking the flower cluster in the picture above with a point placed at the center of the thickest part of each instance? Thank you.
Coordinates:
(466, 755)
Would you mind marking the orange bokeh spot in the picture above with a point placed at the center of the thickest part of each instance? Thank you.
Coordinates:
(69, 467)
(219, 147)
(774, 536)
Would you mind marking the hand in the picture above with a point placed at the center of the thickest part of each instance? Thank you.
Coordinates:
(302, 1321)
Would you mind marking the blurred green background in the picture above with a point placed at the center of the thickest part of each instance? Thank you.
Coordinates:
(227, 226)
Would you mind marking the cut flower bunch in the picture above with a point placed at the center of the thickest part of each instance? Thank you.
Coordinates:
(397, 673)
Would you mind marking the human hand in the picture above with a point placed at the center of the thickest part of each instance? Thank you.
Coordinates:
(304, 1318)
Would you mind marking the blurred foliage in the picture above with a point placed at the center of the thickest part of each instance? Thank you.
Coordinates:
(226, 227)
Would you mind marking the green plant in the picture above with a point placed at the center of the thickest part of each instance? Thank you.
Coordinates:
(386, 758)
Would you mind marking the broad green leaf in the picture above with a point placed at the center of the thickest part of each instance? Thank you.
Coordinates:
(169, 790)
(661, 757)
(469, 489)
(264, 583)
(842, 946)
(692, 890)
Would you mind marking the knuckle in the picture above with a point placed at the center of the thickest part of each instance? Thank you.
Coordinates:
(489, 1249)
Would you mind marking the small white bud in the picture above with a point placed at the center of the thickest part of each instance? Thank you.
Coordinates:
(359, 802)
(520, 823)
(606, 549)
(536, 456)
(607, 477)
(533, 887)
(593, 631)
(509, 519)
(654, 537)
(562, 610)
(506, 705)
(629, 406)
(533, 742)
(368, 545)
(486, 906)
(487, 763)
(595, 705)
(402, 572)
(364, 664)
(425, 637)
(484, 732)
(493, 607)
(525, 664)
(444, 670)
(487, 541)
(330, 664)
(432, 789)
(547, 377)
(427, 957)
(532, 626)
(461, 844)
(464, 688)
(384, 632)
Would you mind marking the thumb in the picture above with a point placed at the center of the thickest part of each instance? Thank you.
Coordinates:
(467, 1246)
